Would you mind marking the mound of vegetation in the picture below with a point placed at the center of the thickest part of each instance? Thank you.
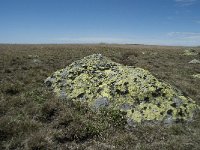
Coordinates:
(102, 83)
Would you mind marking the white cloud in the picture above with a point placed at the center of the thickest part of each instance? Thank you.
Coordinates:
(185, 2)
(188, 38)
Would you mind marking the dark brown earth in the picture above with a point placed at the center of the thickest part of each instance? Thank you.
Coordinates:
(31, 117)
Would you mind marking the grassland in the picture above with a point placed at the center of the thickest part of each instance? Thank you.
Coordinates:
(31, 117)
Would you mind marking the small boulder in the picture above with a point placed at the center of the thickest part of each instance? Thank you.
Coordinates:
(194, 61)
(196, 76)
(190, 52)
(101, 103)
(100, 83)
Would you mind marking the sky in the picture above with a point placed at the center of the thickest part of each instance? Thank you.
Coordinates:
(154, 22)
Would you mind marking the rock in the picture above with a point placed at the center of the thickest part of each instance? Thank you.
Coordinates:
(33, 56)
(100, 82)
(37, 61)
(125, 106)
(196, 76)
(194, 61)
(130, 123)
(49, 81)
(101, 102)
(169, 120)
(191, 52)
(177, 102)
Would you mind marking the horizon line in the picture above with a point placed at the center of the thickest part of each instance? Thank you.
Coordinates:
(99, 43)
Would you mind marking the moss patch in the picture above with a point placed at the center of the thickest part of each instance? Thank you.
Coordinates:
(100, 82)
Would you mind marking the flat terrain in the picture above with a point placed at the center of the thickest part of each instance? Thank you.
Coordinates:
(31, 117)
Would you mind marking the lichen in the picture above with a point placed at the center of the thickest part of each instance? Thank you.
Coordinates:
(97, 80)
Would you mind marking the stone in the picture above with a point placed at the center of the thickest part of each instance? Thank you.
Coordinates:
(37, 61)
(194, 61)
(196, 76)
(102, 83)
(190, 52)
(101, 102)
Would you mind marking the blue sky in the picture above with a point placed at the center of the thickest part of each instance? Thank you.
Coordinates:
(164, 22)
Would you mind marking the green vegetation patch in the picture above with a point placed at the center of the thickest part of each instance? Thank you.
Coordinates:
(102, 83)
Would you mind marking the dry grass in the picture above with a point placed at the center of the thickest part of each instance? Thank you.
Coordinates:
(31, 117)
